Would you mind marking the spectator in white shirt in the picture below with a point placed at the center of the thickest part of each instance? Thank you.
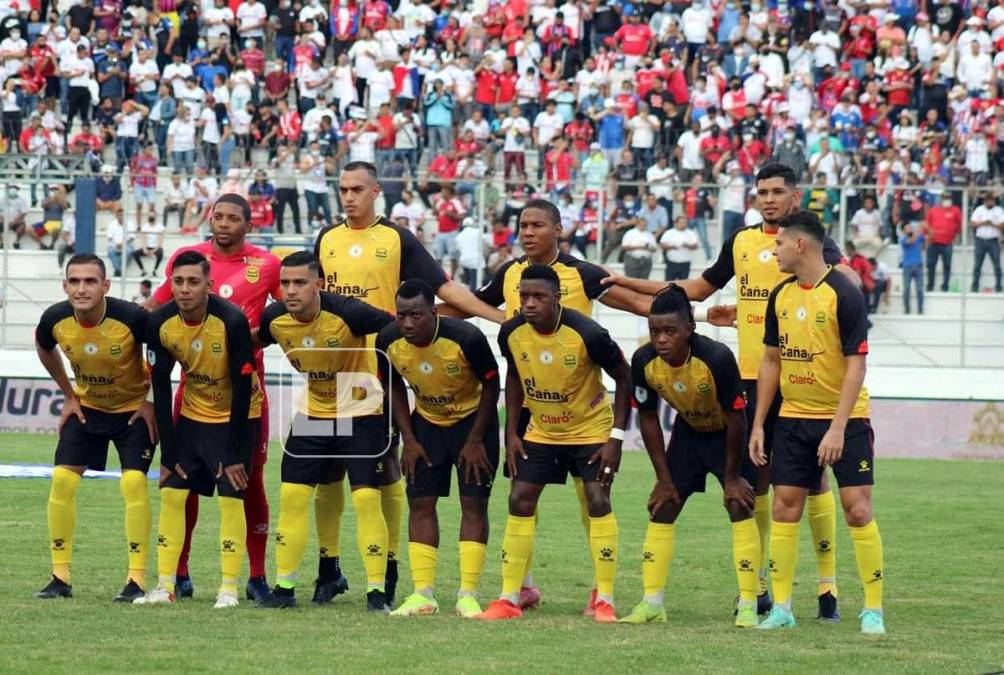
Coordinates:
(638, 245)
(987, 222)
(546, 126)
(678, 244)
(825, 45)
(642, 131)
(975, 69)
(411, 210)
(470, 250)
(516, 129)
(152, 245)
(866, 228)
(696, 22)
(251, 16)
(177, 199)
(181, 141)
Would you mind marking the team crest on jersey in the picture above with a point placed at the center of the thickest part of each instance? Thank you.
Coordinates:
(704, 388)
(216, 348)
(90, 349)
(765, 255)
(196, 345)
(679, 387)
(820, 317)
(640, 394)
(356, 250)
(546, 357)
(801, 313)
(452, 369)
(252, 274)
(425, 368)
(333, 342)
(570, 361)
(226, 290)
(381, 253)
(115, 351)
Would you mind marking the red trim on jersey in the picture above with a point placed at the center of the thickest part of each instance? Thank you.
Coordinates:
(739, 403)
(863, 347)
(247, 369)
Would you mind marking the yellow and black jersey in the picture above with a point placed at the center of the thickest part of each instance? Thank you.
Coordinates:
(561, 375)
(332, 351)
(107, 358)
(446, 375)
(700, 389)
(370, 264)
(580, 284)
(748, 255)
(220, 379)
(815, 328)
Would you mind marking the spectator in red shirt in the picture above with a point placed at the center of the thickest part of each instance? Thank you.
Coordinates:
(290, 124)
(450, 213)
(558, 165)
(713, 146)
(385, 144)
(580, 132)
(486, 88)
(375, 13)
(860, 264)
(87, 140)
(944, 224)
(506, 92)
(635, 40)
(277, 83)
(898, 87)
(254, 58)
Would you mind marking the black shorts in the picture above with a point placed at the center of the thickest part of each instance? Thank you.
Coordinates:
(692, 455)
(87, 444)
(796, 443)
(443, 445)
(561, 470)
(202, 450)
(550, 464)
(749, 391)
(309, 460)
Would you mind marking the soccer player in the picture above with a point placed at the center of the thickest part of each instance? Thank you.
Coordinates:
(325, 337)
(748, 256)
(209, 448)
(367, 257)
(102, 337)
(581, 283)
(699, 378)
(816, 343)
(246, 275)
(454, 377)
(555, 358)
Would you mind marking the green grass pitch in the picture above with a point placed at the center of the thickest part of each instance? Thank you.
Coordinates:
(941, 524)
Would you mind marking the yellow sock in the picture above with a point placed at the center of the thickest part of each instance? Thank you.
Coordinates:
(62, 515)
(371, 535)
(762, 516)
(329, 503)
(868, 552)
(528, 567)
(137, 523)
(580, 493)
(656, 556)
(516, 548)
(233, 533)
(422, 558)
(603, 536)
(783, 557)
(745, 553)
(823, 523)
(170, 534)
(472, 562)
(291, 533)
(392, 499)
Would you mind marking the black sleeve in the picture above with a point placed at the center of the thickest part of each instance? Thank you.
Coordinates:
(271, 313)
(361, 318)
(417, 263)
(724, 267)
(770, 336)
(161, 364)
(241, 369)
(50, 317)
(725, 371)
(852, 317)
(504, 332)
(317, 244)
(131, 315)
(831, 252)
(385, 338)
(592, 277)
(601, 348)
(645, 397)
(491, 293)
(479, 354)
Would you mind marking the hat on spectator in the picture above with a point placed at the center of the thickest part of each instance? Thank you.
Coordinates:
(595, 146)
(108, 169)
(60, 31)
(732, 166)
(974, 21)
(891, 17)
(922, 16)
(609, 103)
(468, 222)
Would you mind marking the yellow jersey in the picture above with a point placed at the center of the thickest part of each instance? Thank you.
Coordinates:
(562, 377)
(579, 284)
(815, 329)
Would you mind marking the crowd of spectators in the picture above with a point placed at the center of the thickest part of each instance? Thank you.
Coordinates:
(646, 118)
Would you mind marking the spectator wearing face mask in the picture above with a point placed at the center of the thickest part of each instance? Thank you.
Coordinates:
(944, 224)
